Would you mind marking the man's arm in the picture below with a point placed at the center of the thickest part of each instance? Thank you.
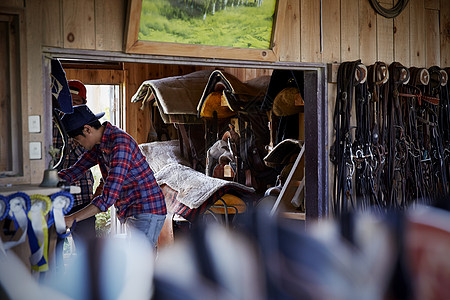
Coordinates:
(82, 214)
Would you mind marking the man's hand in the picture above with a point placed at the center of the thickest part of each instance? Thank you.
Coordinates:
(69, 221)
(82, 214)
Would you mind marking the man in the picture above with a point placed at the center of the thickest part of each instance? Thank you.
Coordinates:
(85, 229)
(129, 183)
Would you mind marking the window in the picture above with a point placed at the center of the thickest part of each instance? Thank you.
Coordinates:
(11, 99)
(152, 34)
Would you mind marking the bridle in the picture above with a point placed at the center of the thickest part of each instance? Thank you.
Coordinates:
(394, 150)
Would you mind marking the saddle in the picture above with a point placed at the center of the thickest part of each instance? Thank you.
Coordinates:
(230, 104)
(227, 95)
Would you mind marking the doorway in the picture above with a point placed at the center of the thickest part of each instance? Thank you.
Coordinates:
(315, 78)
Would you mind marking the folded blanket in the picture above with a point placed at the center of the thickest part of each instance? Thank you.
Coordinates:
(193, 187)
(162, 153)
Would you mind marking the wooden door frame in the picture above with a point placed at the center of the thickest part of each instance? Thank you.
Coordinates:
(316, 115)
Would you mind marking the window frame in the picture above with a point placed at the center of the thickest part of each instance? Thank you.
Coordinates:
(19, 137)
(132, 44)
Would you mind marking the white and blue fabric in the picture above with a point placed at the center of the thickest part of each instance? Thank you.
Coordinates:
(62, 203)
(19, 204)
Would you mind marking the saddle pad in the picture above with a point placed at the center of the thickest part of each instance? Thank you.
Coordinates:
(192, 214)
(193, 187)
(162, 153)
(176, 95)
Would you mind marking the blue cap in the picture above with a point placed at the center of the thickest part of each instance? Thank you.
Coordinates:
(81, 116)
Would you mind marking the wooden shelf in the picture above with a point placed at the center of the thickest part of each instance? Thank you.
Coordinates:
(294, 215)
(32, 189)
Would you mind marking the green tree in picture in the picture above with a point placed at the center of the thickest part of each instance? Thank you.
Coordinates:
(229, 23)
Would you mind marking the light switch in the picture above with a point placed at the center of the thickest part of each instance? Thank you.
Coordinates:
(34, 124)
(35, 150)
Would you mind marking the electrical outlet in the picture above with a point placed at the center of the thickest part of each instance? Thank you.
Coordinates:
(35, 150)
(34, 124)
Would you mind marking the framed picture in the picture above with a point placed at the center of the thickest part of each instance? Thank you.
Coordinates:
(228, 29)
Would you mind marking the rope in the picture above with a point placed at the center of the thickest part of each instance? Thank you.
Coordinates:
(389, 12)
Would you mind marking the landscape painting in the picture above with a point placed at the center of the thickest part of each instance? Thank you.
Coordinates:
(228, 23)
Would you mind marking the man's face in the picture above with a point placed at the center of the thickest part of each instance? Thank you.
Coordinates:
(77, 99)
(87, 141)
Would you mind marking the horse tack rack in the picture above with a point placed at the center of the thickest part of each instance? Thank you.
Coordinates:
(401, 118)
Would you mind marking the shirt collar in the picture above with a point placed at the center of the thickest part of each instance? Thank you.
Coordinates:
(106, 138)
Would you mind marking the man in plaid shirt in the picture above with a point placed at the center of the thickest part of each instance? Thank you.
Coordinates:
(85, 229)
(129, 183)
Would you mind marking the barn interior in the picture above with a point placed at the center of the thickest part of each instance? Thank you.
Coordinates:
(262, 200)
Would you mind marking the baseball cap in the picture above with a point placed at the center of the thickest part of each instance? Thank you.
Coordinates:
(77, 87)
(81, 116)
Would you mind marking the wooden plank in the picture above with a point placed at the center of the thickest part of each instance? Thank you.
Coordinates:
(96, 76)
(349, 31)
(286, 38)
(290, 186)
(310, 31)
(402, 37)
(367, 33)
(385, 39)
(174, 49)
(109, 24)
(132, 23)
(332, 71)
(294, 215)
(52, 25)
(5, 112)
(433, 4)
(417, 33)
(445, 33)
(331, 136)
(34, 84)
(79, 24)
(432, 42)
(331, 32)
(13, 3)
(133, 114)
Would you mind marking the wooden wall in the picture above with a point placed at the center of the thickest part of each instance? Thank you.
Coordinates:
(345, 30)
(351, 29)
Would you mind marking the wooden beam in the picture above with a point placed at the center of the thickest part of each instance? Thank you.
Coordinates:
(367, 33)
(445, 33)
(432, 41)
(331, 32)
(79, 24)
(286, 39)
(417, 33)
(349, 31)
(310, 31)
(402, 37)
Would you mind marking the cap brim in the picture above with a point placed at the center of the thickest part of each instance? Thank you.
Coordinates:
(100, 115)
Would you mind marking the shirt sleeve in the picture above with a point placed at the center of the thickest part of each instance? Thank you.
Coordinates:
(121, 160)
(76, 171)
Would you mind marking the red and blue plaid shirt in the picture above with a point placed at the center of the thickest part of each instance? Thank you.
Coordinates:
(129, 182)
